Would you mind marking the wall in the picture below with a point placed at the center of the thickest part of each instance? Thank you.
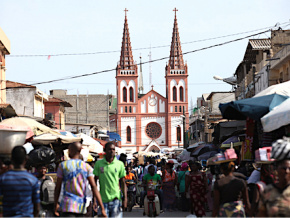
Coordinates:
(87, 109)
(218, 98)
(125, 122)
(53, 108)
(176, 121)
(22, 106)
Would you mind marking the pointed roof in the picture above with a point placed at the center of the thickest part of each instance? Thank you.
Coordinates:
(126, 58)
(176, 57)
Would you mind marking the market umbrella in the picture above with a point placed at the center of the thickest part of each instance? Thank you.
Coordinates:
(194, 146)
(281, 89)
(92, 144)
(203, 149)
(35, 128)
(231, 140)
(207, 155)
(279, 116)
(48, 138)
(253, 108)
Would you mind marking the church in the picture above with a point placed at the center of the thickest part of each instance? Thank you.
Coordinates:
(150, 122)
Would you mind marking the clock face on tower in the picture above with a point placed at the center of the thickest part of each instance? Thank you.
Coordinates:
(152, 102)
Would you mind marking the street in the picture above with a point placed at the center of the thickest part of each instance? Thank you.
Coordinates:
(138, 212)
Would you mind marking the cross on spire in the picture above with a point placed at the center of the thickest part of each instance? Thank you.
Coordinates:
(126, 12)
(152, 87)
(175, 11)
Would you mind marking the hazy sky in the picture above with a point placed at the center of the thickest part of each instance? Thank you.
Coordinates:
(70, 26)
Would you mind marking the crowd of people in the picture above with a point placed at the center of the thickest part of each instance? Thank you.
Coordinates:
(81, 189)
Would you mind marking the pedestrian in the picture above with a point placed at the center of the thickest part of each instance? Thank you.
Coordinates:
(181, 186)
(111, 172)
(154, 179)
(151, 162)
(47, 187)
(73, 175)
(275, 201)
(19, 188)
(197, 184)
(230, 193)
(169, 179)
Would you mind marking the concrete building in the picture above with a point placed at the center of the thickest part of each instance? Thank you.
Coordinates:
(86, 112)
(265, 63)
(33, 103)
(151, 121)
(55, 111)
(4, 50)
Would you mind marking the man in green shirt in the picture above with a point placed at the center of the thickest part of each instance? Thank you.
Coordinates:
(155, 179)
(111, 172)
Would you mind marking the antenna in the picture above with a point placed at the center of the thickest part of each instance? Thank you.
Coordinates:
(140, 88)
(150, 70)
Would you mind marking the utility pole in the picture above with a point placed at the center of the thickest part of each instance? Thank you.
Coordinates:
(254, 78)
(205, 125)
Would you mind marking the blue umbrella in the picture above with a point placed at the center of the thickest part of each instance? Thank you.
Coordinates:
(254, 108)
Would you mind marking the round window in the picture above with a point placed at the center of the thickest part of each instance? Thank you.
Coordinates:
(153, 130)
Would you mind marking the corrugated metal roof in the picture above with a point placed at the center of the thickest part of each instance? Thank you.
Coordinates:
(260, 44)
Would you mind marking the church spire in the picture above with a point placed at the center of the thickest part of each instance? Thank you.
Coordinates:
(126, 58)
(176, 58)
(140, 88)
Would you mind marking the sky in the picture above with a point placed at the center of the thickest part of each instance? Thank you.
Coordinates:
(92, 26)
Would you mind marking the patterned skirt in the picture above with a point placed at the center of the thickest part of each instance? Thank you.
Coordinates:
(169, 193)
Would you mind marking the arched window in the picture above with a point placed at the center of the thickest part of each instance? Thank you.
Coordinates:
(131, 94)
(130, 109)
(180, 109)
(124, 94)
(174, 94)
(128, 131)
(181, 94)
(178, 134)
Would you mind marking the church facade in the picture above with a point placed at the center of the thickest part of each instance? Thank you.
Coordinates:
(150, 122)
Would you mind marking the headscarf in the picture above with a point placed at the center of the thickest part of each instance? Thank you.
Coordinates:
(184, 166)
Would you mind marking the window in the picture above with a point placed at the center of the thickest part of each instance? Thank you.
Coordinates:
(126, 109)
(181, 93)
(178, 133)
(131, 94)
(130, 109)
(153, 130)
(174, 93)
(175, 108)
(124, 94)
(128, 132)
(180, 109)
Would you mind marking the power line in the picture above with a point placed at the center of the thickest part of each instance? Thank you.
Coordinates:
(145, 48)
(146, 62)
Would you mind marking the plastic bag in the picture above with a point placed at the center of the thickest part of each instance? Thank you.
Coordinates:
(41, 156)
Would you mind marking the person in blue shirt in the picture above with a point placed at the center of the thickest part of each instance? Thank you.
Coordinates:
(19, 188)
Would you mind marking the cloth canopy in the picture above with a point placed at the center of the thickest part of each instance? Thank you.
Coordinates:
(281, 89)
(92, 144)
(279, 116)
(34, 127)
(254, 108)
(48, 138)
